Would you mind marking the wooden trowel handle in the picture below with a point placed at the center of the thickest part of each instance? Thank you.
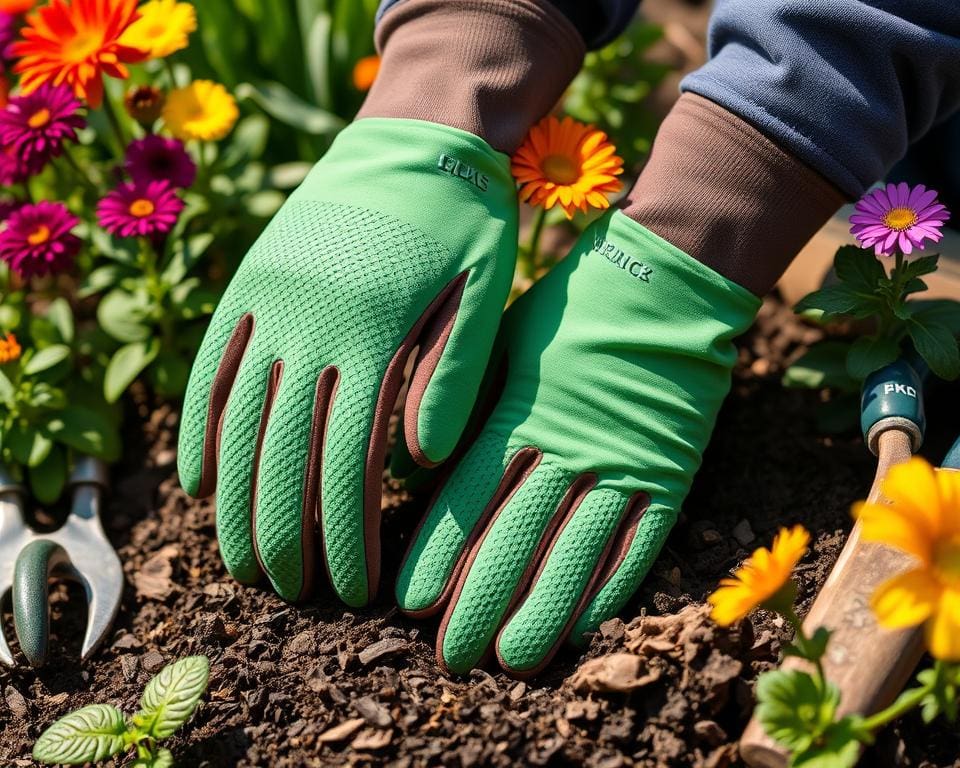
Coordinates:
(869, 664)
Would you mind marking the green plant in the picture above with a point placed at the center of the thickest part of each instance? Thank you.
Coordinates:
(46, 408)
(100, 731)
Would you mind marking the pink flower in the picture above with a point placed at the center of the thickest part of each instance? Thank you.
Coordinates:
(13, 169)
(140, 209)
(155, 158)
(36, 239)
(37, 125)
(897, 217)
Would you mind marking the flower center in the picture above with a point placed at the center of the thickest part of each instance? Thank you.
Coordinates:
(82, 46)
(157, 30)
(39, 236)
(946, 558)
(560, 169)
(39, 118)
(900, 218)
(141, 208)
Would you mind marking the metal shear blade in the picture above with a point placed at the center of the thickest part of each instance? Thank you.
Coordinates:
(78, 550)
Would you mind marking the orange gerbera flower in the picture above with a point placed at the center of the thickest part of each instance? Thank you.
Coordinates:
(9, 348)
(365, 72)
(566, 162)
(76, 43)
(16, 6)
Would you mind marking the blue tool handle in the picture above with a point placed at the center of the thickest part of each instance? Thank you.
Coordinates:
(952, 459)
(892, 398)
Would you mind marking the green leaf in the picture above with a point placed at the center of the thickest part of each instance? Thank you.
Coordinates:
(7, 390)
(46, 358)
(281, 103)
(838, 299)
(61, 315)
(171, 697)
(102, 278)
(792, 708)
(163, 759)
(85, 430)
(937, 345)
(169, 374)
(28, 446)
(88, 735)
(938, 311)
(925, 265)
(48, 478)
(868, 354)
(823, 365)
(837, 747)
(858, 267)
(916, 285)
(124, 316)
(185, 255)
(812, 648)
(127, 363)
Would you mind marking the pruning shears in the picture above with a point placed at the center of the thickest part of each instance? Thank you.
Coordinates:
(79, 549)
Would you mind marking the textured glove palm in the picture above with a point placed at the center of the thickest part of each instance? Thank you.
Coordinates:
(403, 234)
(616, 365)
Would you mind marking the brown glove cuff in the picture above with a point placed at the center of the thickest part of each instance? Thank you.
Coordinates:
(721, 191)
(490, 67)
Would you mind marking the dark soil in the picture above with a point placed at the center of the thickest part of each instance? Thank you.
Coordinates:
(316, 685)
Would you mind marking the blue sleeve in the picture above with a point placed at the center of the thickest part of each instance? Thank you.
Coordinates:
(846, 85)
(598, 21)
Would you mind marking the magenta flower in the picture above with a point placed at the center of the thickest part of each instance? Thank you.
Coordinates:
(36, 239)
(897, 217)
(155, 158)
(37, 125)
(8, 33)
(7, 206)
(13, 168)
(142, 209)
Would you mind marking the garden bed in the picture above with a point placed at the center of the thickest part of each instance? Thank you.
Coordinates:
(318, 685)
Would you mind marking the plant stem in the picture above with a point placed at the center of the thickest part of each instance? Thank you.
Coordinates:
(170, 73)
(907, 701)
(72, 162)
(115, 125)
(533, 249)
(791, 616)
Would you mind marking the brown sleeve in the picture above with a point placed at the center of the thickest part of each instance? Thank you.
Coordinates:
(721, 191)
(490, 67)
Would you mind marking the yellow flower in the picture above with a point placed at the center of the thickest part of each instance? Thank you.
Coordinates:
(566, 162)
(162, 29)
(203, 110)
(921, 519)
(365, 72)
(765, 573)
(9, 349)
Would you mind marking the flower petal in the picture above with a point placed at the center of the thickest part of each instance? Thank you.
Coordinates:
(906, 600)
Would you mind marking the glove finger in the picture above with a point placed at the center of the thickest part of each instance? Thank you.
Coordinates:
(284, 514)
(478, 486)
(238, 451)
(636, 544)
(567, 570)
(208, 390)
(454, 351)
(498, 566)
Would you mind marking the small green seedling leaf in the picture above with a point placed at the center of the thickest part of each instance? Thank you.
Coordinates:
(163, 759)
(127, 363)
(837, 747)
(812, 648)
(793, 709)
(88, 735)
(171, 697)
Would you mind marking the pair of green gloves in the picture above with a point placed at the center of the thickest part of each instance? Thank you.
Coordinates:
(613, 368)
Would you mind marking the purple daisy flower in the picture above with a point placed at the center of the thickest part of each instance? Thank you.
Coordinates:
(7, 206)
(13, 168)
(37, 125)
(155, 158)
(898, 217)
(36, 239)
(144, 209)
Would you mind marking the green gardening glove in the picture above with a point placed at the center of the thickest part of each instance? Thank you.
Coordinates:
(616, 365)
(404, 234)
